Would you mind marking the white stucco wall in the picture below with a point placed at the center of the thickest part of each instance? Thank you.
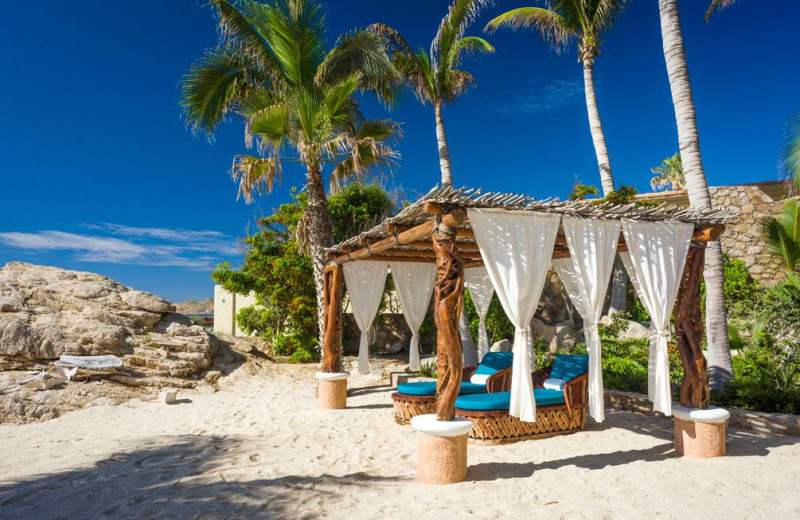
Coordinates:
(226, 306)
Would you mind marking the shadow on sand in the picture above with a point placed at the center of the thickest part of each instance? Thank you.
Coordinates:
(177, 477)
(740, 443)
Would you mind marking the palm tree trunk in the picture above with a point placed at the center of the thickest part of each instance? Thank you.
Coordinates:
(720, 365)
(468, 346)
(619, 285)
(596, 127)
(320, 232)
(444, 150)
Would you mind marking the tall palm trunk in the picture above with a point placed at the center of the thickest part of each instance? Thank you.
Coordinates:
(719, 354)
(320, 232)
(467, 345)
(444, 150)
(619, 283)
(596, 127)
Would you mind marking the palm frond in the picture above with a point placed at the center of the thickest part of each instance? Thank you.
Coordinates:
(459, 17)
(412, 67)
(468, 45)
(362, 52)
(456, 83)
(790, 156)
(255, 175)
(237, 28)
(271, 125)
(294, 31)
(780, 242)
(717, 6)
(212, 87)
(337, 99)
(367, 150)
(553, 26)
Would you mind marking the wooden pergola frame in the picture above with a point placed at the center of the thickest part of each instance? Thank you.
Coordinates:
(442, 235)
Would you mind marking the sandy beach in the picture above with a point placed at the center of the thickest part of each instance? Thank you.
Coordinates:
(259, 448)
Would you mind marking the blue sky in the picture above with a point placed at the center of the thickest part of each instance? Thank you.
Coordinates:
(100, 174)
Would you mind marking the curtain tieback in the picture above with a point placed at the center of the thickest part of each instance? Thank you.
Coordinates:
(666, 334)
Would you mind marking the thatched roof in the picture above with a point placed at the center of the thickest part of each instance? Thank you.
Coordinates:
(448, 200)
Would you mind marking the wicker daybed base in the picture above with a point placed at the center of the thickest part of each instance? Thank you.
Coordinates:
(497, 427)
(407, 407)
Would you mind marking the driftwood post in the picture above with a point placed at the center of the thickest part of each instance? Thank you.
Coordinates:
(448, 300)
(689, 330)
(332, 319)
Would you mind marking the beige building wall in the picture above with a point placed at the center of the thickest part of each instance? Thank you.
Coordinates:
(226, 306)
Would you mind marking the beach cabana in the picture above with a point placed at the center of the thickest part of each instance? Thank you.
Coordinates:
(515, 238)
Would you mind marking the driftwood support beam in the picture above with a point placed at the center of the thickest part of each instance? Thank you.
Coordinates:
(448, 300)
(689, 330)
(332, 319)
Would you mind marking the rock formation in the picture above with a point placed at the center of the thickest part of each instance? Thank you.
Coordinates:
(46, 312)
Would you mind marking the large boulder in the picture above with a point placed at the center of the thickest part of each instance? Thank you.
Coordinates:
(46, 312)
(565, 337)
(502, 346)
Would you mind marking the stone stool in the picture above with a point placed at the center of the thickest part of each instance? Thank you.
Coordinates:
(332, 390)
(441, 449)
(700, 433)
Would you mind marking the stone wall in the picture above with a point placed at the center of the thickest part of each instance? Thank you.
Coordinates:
(762, 422)
(743, 238)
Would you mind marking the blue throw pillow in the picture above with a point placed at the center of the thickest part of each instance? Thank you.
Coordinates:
(494, 362)
(568, 367)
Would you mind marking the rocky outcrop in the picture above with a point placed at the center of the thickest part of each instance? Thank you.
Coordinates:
(46, 312)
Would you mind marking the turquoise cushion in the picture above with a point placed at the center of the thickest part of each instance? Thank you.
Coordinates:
(429, 388)
(494, 362)
(569, 367)
(502, 400)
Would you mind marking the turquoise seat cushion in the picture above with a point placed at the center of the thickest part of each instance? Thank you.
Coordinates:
(568, 367)
(502, 400)
(429, 388)
(494, 362)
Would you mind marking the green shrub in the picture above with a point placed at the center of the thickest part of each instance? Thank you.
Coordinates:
(498, 326)
(281, 276)
(304, 355)
(767, 379)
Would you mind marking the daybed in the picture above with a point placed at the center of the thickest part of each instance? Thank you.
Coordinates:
(493, 374)
(558, 412)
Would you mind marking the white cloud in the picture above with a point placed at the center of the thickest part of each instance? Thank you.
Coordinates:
(195, 250)
(543, 97)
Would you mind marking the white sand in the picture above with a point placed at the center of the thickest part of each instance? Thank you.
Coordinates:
(260, 449)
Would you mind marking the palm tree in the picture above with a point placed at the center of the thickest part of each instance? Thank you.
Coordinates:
(560, 23)
(436, 79)
(669, 175)
(434, 76)
(274, 70)
(719, 354)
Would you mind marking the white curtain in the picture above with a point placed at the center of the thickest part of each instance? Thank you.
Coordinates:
(365, 280)
(592, 246)
(516, 248)
(656, 256)
(481, 292)
(414, 284)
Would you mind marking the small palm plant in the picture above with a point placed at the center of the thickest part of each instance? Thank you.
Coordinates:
(435, 76)
(274, 70)
(669, 175)
(561, 22)
(783, 235)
